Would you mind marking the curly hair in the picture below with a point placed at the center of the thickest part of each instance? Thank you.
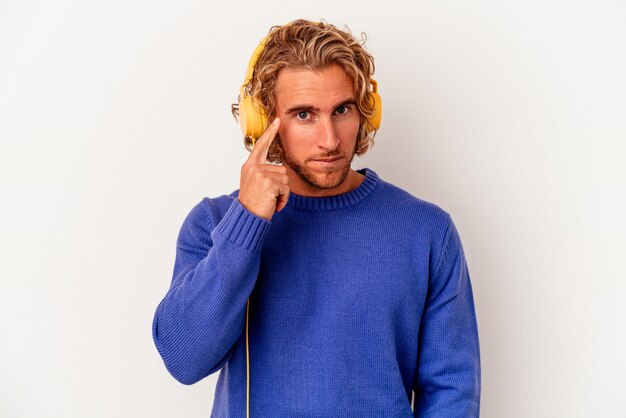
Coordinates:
(312, 46)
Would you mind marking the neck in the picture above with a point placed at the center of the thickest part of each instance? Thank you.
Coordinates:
(302, 188)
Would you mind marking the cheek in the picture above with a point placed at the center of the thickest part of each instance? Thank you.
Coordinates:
(286, 129)
(293, 133)
(292, 138)
(349, 131)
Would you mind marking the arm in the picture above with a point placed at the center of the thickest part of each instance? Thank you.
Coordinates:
(202, 315)
(200, 319)
(447, 383)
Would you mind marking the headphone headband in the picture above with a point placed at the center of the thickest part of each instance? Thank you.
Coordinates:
(254, 59)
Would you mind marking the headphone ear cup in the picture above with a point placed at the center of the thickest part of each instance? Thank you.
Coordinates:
(252, 119)
(378, 110)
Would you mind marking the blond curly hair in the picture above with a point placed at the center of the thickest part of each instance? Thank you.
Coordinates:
(312, 46)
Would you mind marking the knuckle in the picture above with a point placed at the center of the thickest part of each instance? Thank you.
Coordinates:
(254, 170)
(267, 182)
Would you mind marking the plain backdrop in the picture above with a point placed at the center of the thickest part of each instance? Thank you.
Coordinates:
(115, 121)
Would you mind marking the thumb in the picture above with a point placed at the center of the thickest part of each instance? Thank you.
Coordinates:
(281, 201)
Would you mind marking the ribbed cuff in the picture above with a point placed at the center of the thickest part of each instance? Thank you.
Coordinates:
(242, 227)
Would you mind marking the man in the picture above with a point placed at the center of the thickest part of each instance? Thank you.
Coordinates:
(318, 290)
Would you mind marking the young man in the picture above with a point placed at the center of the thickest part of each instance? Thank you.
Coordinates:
(318, 290)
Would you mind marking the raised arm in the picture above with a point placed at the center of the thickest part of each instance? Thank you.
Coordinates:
(202, 315)
(198, 322)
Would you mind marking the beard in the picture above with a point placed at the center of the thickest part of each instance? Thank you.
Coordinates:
(317, 180)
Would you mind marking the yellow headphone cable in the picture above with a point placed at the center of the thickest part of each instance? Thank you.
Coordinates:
(247, 364)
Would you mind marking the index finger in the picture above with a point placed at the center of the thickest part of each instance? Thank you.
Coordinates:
(261, 147)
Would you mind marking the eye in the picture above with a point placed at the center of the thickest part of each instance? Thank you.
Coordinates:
(342, 110)
(302, 115)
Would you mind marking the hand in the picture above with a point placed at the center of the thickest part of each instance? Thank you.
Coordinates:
(263, 188)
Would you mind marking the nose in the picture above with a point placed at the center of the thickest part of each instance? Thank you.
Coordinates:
(327, 136)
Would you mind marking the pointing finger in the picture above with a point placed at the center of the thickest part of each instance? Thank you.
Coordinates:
(262, 145)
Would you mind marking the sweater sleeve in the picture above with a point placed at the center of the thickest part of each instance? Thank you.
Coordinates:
(202, 315)
(447, 382)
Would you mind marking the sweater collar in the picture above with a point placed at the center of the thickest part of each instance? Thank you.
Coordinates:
(324, 204)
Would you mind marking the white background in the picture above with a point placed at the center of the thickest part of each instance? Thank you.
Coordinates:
(115, 121)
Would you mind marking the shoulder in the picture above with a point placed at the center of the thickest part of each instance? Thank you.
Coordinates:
(216, 207)
(417, 223)
(410, 208)
(204, 216)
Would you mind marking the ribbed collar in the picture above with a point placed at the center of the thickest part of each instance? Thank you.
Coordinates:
(324, 204)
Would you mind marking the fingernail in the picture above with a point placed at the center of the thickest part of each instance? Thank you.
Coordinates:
(275, 122)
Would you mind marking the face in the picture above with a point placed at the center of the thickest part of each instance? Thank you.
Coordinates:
(318, 132)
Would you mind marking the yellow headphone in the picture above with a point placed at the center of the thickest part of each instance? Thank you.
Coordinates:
(252, 117)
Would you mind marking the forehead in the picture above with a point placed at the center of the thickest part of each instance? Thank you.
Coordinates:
(326, 86)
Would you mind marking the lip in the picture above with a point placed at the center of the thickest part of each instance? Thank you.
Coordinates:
(327, 160)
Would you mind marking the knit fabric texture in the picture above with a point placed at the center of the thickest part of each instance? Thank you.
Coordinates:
(356, 300)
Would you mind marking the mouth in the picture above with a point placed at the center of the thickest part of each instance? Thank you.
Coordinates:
(328, 162)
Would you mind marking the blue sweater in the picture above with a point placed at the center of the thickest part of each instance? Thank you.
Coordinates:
(356, 300)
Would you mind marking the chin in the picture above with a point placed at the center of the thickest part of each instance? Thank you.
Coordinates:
(320, 180)
(327, 181)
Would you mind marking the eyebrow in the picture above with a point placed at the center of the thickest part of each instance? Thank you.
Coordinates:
(308, 107)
